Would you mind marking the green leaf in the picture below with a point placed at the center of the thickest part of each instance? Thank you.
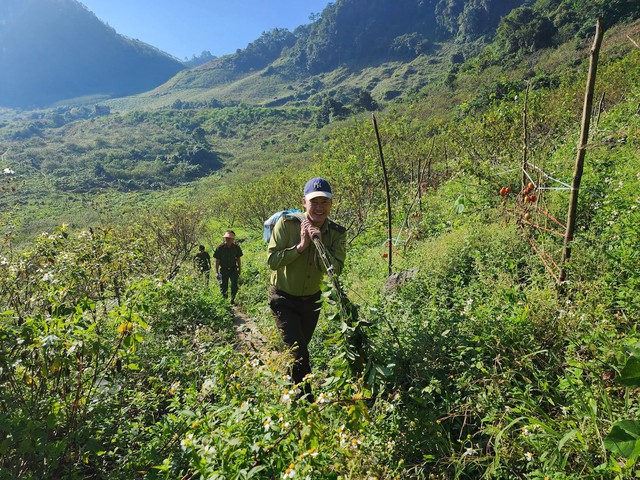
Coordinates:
(568, 436)
(255, 470)
(624, 439)
(630, 375)
(460, 205)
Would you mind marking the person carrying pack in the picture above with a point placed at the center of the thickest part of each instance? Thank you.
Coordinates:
(270, 222)
(297, 271)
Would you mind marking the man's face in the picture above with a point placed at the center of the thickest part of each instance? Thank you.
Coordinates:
(318, 209)
(228, 240)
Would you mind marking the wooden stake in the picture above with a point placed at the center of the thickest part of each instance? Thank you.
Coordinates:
(600, 106)
(525, 139)
(582, 146)
(386, 187)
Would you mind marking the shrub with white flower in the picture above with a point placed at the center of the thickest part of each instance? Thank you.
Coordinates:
(312, 452)
(267, 424)
(323, 398)
(290, 472)
(286, 396)
(207, 386)
(48, 277)
(469, 452)
(209, 451)
(342, 436)
(283, 422)
(188, 441)
(467, 307)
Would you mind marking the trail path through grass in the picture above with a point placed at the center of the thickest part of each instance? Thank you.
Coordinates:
(247, 332)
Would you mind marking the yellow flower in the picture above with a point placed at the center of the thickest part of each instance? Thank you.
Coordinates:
(286, 396)
(322, 398)
(267, 424)
(290, 472)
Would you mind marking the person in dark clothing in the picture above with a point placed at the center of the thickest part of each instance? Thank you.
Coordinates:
(228, 264)
(297, 272)
(202, 263)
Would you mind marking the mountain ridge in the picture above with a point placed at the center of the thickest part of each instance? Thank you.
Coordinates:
(353, 49)
(388, 51)
(56, 50)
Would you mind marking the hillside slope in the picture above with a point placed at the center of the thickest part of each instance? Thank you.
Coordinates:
(480, 365)
(54, 50)
(353, 46)
(389, 50)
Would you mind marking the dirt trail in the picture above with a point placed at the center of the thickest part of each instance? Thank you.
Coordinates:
(247, 331)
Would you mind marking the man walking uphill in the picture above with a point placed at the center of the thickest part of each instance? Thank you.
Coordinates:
(202, 262)
(297, 272)
(228, 264)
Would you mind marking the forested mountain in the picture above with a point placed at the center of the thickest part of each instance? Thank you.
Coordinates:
(356, 34)
(52, 50)
(55, 50)
(386, 50)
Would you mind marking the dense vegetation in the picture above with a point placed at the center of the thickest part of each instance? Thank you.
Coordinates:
(116, 363)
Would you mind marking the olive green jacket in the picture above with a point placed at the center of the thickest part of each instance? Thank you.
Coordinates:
(300, 274)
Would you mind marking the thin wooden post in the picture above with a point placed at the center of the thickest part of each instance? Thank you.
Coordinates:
(386, 187)
(582, 146)
(525, 139)
(600, 104)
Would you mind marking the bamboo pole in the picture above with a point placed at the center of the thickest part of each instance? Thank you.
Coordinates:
(582, 146)
(600, 107)
(525, 138)
(386, 187)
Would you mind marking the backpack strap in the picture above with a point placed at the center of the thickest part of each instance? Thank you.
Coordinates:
(296, 215)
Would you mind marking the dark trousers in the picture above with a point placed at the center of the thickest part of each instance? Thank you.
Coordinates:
(205, 273)
(229, 275)
(296, 318)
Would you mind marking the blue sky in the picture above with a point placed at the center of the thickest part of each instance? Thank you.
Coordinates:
(187, 27)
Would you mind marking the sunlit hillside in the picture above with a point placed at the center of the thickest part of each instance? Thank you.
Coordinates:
(482, 328)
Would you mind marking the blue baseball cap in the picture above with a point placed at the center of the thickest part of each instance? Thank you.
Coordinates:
(317, 187)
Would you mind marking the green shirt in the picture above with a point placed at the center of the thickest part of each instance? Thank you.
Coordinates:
(300, 274)
(228, 255)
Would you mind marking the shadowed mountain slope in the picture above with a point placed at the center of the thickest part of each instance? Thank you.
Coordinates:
(53, 50)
